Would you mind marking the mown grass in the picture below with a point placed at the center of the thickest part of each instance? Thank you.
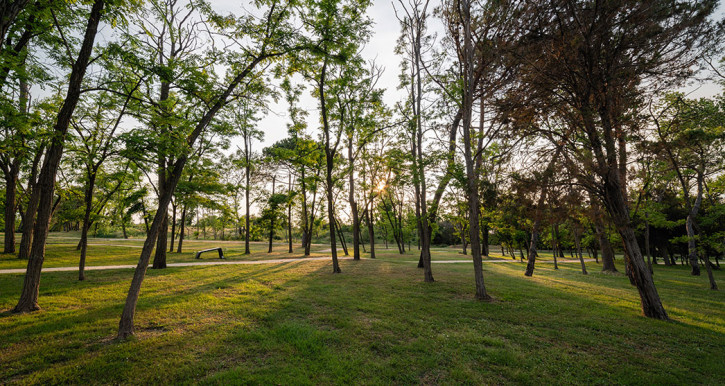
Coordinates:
(62, 252)
(376, 323)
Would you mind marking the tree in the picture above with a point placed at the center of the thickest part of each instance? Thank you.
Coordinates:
(337, 30)
(268, 37)
(46, 179)
(693, 138)
(245, 116)
(590, 59)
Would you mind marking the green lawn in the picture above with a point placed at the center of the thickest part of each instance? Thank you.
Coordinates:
(61, 251)
(376, 323)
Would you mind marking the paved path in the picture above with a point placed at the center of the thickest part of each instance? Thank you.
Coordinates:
(508, 261)
(196, 263)
(251, 262)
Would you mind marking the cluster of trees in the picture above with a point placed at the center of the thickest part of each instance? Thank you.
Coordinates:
(530, 125)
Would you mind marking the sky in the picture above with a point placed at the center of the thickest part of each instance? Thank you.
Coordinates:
(381, 48)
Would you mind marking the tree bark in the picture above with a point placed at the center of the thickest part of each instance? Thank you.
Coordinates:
(371, 230)
(650, 300)
(289, 212)
(30, 212)
(271, 218)
(247, 187)
(600, 230)
(11, 187)
(182, 228)
(555, 244)
(577, 242)
(88, 199)
(173, 226)
(353, 203)
(160, 255)
(329, 163)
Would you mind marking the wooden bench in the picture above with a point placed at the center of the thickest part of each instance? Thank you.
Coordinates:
(221, 254)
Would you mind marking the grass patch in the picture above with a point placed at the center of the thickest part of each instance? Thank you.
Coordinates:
(376, 323)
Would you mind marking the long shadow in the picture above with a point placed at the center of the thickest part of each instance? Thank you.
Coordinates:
(318, 320)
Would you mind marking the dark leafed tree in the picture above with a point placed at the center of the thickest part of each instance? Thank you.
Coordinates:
(595, 59)
(46, 179)
(544, 179)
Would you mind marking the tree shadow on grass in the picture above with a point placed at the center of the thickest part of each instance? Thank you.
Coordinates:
(375, 323)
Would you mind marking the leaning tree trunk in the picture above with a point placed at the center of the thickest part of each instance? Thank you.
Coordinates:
(46, 180)
(88, 198)
(650, 299)
(29, 223)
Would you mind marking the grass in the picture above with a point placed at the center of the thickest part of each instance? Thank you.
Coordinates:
(376, 323)
(62, 252)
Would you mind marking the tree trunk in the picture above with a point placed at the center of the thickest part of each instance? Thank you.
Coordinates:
(371, 230)
(538, 214)
(289, 212)
(271, 219)
(470, 159)
(29, 223)
(247, 187)
(555, 244)
(182, 227)
(650, 300)
(160, 254)
(353, 204)
(600, 230)
(11, 187)
(173, 226)
(464, 242)
(329, 163)
(646, 242)
(88, 199)
(691, 247)
(577, 242)
(46, 181)
(343, 244)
